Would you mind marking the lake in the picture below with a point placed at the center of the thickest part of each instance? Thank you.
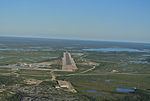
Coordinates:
(115, 49)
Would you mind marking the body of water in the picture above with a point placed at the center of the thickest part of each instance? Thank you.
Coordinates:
(116, 49)
(101, 95)
(25, 50)
(125, 90)
(139, 62)
(146, 55)
(1, 57)
(108, 80)
(91, 91)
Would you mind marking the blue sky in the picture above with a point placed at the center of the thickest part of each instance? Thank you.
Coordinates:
(109, 20)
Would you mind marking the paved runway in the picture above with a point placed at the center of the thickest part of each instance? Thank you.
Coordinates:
(68, 60)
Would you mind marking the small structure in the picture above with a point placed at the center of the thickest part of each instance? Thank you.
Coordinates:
(114, 71)
(39, 65)
(66, 84)
(57, 87)
(14, 69)
(2, 90)
(32, 81)
(63, 84)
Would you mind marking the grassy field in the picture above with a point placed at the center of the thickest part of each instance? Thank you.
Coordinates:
(106, 84)
(13, 57)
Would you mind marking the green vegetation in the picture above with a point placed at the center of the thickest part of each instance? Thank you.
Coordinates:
(7, 96)
(49, 83)
(56, 66)
(34, 74)
(132, 70)
(9, 80)
(13, 57)
(107, 88)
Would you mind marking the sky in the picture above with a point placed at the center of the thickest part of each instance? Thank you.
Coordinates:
(105, 20)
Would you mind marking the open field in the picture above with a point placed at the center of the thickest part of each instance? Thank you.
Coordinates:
(98, 76)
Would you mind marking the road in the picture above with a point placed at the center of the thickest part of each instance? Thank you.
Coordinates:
(53, 76)
(82, 71)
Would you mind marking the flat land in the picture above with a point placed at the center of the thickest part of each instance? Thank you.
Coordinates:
(30, 69)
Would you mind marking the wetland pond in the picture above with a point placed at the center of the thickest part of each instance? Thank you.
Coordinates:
(125, 90)
(92, 91)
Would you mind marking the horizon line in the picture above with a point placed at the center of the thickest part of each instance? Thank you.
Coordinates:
(76, 39)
